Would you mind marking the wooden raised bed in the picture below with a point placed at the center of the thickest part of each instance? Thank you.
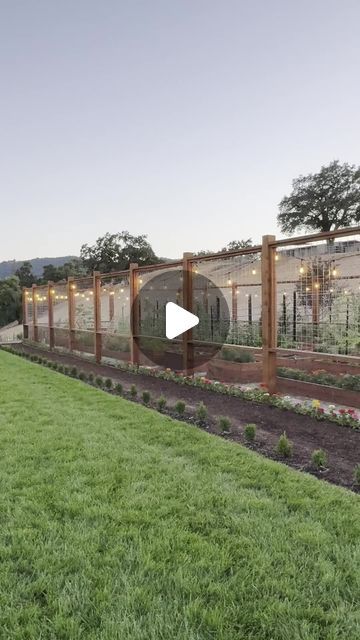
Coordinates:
(333, 395)
(225, 371)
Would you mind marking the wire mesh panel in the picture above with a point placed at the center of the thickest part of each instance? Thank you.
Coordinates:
(115, 315)
(82, 296)
(157, 287)
(42, 314)
(239, 280)
(61, 314)
(29, 313)
(318, 296)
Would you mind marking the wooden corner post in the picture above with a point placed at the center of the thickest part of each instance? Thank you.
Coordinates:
(24, 315)
(134, 314)
(188, 346)
(71, 312)
(269, 332)
(50, 298)
(34, 314)
(97, 316)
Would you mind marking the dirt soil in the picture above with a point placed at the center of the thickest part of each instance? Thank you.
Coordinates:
(341, 444)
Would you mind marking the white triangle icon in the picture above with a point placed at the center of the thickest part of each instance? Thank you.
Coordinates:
(178, 320)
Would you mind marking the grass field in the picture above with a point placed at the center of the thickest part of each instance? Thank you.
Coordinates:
(120, 523)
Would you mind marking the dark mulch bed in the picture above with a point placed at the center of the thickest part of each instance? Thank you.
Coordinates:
(341, 444)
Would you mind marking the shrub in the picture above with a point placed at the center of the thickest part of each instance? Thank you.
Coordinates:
(99, 381)
(319, 458)
(82, 375)
(224, 424)
(201, 412)
(66, 371)
(54, 365)
(118, 388)
(357, 474)
(74, 372)
(91, 377)
(161, 403)
(61, 368)
(146, 397)
(133, 391)
(180, 407)
(284, 446)
(40, 360)
(108, 384)
(250, 432)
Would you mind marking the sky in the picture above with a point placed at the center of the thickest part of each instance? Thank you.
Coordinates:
(185, 120)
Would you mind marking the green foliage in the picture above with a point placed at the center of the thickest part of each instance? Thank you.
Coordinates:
(201, 412)
(224, 424)
(91, 377)
(236, 355)
(25, 275)
(82, 375)
(284, 447)
(323, 201)
(146, 397)
(54, 365)
(319, 458)
(66, 371)
(99, 382)
(133, 391)
(108, 384)
(250, 432)
(161, 403)
(180, 407)
(118, 388)
(74, 372)
(115, 252)
(61, 368)
(10, 300)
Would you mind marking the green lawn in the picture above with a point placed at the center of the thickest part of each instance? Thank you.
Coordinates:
(119, 523)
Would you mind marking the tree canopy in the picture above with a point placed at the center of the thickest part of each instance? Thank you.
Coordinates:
(25, 274)
(10, 300)
(322, 201)
(115, 252)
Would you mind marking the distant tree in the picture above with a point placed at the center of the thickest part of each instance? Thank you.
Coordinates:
(115, 252)
(73, 268)
(25, 274)
(322, 201)
(235, 245)
(10, 300)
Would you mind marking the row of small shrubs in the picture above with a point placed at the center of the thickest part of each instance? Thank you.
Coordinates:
(284, 446)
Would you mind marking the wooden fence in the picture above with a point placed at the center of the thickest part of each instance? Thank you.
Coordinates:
(297, 298)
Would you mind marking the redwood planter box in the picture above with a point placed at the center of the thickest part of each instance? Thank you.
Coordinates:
(315, 364)
(225, 371)
(319, 392)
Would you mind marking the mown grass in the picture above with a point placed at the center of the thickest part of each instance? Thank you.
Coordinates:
(120, 523)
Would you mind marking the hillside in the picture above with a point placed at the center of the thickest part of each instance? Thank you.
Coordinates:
(8, 267)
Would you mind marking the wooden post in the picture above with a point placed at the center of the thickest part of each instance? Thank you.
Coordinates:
(134, 314)
(50, 297)
(35, 325)
(111, 304)
(97, 316)
(24, 315)
(188, 347)
(71, 312)
(269, 336)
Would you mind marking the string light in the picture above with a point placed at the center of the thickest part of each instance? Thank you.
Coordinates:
(302, 268)
(253, 272)
(317, 285)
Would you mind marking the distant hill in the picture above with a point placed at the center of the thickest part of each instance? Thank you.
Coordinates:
(8, 267)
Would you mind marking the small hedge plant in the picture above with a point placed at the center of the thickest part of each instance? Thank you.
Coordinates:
(201, 412)
(250, 432)
(224, 424)
(284, 447)
(180, 407)
(133, 391)
(146, 397)
(319, 458)
(161, 403)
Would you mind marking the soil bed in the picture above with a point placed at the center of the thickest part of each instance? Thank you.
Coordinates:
(341, 444)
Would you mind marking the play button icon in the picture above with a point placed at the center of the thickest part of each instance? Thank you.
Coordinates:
(178, 320)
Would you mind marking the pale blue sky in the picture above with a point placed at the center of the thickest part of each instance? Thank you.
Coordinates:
(185, 120)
